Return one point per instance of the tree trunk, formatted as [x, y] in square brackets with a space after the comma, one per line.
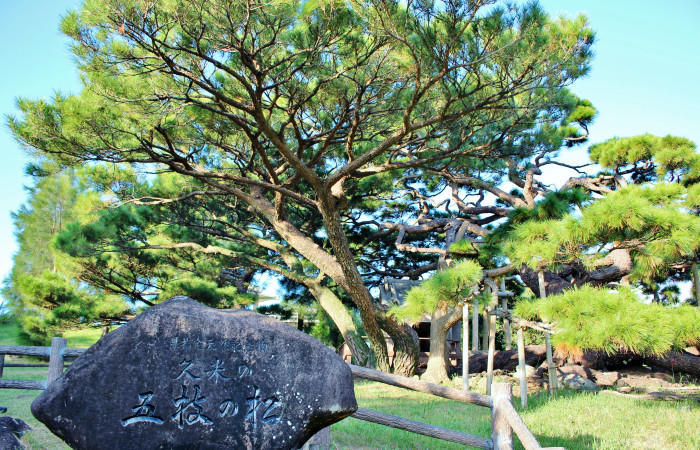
[677, 362]
[352, 282]
[405, 341]
[342, 319]
[440, 324]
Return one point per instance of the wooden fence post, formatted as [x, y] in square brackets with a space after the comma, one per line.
[58, 347]
[465, 346]
[502, 433]
[521, 364]
[475, 327]
[2, 363]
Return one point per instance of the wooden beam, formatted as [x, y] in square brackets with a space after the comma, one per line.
[422, 428]
[420, 386]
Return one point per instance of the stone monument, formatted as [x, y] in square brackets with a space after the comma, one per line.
[182, 375]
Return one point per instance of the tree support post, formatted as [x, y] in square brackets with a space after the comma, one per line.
[487, 325]
[521, 365]
[551, 368]
[492, 337]
[506, 325]
[502, 433]
[58, 348]
[696, 284]
[475, 327]
[465, 346]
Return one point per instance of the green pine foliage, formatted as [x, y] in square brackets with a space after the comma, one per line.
[56, 303]
[592, 318]
[653, 221]
[673, 157]
[446, 288]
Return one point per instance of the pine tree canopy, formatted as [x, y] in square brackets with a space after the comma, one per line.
[653, 222]
[444, 289]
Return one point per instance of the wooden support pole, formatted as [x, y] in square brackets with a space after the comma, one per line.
[2, 363]
[696, 283]
[492, 351]
[485, 333]
[58, 347]
[465, 346]
[492, 335]
[521, 365]
[502, 433]
[422, 428]
[551, 368]
[540, 282]
[475, 327]
[506, 326]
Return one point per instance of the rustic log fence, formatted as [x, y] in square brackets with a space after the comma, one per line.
[57, 353]
[504, 419]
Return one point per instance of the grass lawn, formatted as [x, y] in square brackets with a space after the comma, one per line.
[572, 420]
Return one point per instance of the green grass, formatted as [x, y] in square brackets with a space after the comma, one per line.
[83, 337]
[18, 401]
[571, 419]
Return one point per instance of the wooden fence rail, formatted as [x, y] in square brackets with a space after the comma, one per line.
[504, 418]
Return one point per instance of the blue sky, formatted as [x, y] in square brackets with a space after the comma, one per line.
[645, 76]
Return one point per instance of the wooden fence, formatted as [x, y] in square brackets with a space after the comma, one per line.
[504, 419]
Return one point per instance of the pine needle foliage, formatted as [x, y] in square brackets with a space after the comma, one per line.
[673, 157]
[607, 320]
[446, 288]
[653, 221]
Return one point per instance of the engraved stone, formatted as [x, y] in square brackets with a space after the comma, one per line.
[182, 375]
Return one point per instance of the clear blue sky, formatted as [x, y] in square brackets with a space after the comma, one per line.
[645, 76]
